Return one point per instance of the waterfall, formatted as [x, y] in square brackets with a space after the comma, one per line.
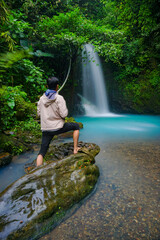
[94, 97]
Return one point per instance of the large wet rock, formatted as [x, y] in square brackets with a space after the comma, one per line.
[36, 202]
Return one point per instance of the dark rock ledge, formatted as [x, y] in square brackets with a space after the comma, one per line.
[5, 158]
[32, 205]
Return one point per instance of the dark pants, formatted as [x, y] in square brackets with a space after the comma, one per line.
[48, 135]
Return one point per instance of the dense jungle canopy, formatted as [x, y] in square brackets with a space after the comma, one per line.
[40, 38]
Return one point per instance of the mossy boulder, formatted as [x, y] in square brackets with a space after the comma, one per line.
[31, 206]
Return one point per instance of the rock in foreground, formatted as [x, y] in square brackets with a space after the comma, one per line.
[33, 204]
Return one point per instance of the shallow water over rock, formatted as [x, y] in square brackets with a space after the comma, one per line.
[15, 169]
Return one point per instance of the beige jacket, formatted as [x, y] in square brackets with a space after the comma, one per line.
[52, 112]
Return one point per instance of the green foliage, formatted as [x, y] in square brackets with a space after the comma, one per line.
[137, 71]
[72, 30]
[110, 16]
[29, 130]
[5, 37]
[69, 119]
[13, 149]
[6, 42]
[91, 9]
[136, 16]
[3, 12]
[34, 83]
[24, 73]
[142, 92]
[9, 58]
[9, 144]
[14, 106]
[28, 125]
[61, 29]
[125, 33]
[19, 138]
[19, 28]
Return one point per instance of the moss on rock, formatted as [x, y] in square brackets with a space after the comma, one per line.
[32, 205]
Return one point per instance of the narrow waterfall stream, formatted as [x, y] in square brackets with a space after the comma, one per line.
[95, 100]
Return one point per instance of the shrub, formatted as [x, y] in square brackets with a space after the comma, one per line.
[14, 106]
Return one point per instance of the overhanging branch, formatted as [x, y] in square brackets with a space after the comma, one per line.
[69, 68]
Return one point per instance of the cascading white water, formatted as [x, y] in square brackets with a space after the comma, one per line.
[94, 98]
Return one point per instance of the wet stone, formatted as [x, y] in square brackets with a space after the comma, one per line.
[32, 205]
[5, 158]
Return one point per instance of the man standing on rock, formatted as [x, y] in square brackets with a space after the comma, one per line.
[52, 110]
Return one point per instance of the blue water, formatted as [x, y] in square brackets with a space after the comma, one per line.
[15, 170]
[128, 182]
[99, 130]
[125, 202]
[120, 127]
